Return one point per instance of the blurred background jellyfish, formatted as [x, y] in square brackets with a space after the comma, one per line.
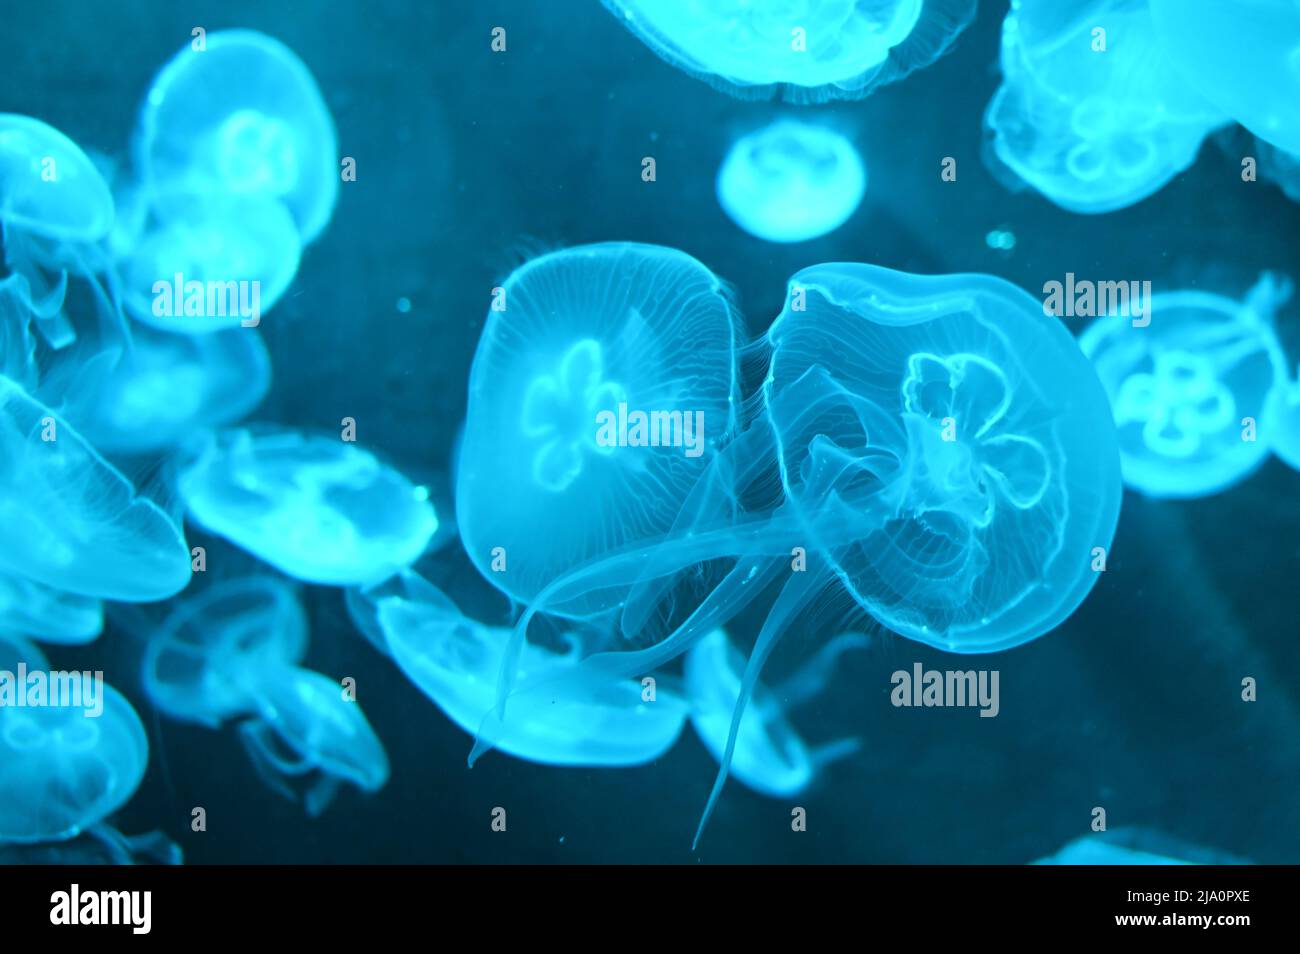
[1135, 846]
[1243, 57]
[1189, 390]
[72, 521]
[1091, 112]
[770, 756]
[791, 181]
[602, 383]
[318, 509]
[242, 116]
[808, 51]
[30, 609]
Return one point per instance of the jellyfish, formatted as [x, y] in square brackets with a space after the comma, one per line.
[1189, 390]
[101, 844]
[601, 382]
[770, 757]
[316, 508]
[1090, 112]
[1135, 846]
[306, 729]
[810, 51]
[238, 112]
[1279, 167]
[50, 616]
[17, 345]
[1244, 58]
[63, 770]
[791, 181]
[72, 521]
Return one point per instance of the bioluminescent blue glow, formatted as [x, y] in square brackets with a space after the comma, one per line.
[242, 115]
[30, 609]
[316, 508]
[791, 181]
[603, 380]
[808, 51]
[1095, 121]
[1189, 390]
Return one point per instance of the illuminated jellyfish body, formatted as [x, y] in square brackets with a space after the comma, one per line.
[210, 261]
[54, 208]
[73, 522]
[791, 181]
[1243, 57]
[162, 390]
[1135, 846]
[1092, 130]
[770, 757]
[455, 661]
[1186, 389]
[595, 398]
[30, 609]
[63, 771]
[100, 845]
[204, 663]
[242, 116]
[806, 51]
[946, 457]
[17, 346]
[316, 508]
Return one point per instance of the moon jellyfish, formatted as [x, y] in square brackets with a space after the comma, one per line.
[242, 116]
[455, 660]
[791, 181]
[808, 51]
[595, 392]
[1135, 846]
[48, 615]
[73, 522]
[1243, 57]
[1188, 391]
[316, 508]
[1090, 112]
[770, 757]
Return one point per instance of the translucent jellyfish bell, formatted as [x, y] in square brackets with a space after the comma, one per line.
[1093, 129]
[73, 522]
[597, 393]
[1185, 388]
[791, 181]
[316, 508]
[243, 115]
[49, 188]
[808, 51]
[48, 615]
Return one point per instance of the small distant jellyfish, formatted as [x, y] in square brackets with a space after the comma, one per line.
[810, 51]
[316, 508]
[47, 615]
[791, 181]
[243, 116]
[1182, 388]
[1092, 131]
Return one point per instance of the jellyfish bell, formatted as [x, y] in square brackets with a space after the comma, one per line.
[316, 508]
[242, 116]
[791, 181]
[1186, 388]
[46, 614]
[810, 52]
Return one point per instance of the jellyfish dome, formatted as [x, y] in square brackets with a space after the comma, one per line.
[49, 188]
[242, 115]
[1095, 121]
[791, 181]
[600, 387]
[73, 522]
[1190, 391]
[316, 508]
[48, 615]
[1243, 57]
[808, 50]
[63, 770]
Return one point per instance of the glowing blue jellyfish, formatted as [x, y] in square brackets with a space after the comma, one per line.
[1135, 846]
[17, 346]
[63, 770]
[316, 508]
[455, 661]
[807, 50]
[1095, 121]
[306, 730]
[100, 845]
[73, 522]
[1245, 58]
[1189, 390]
[242, 115]
[598, 392]
[50, 616]
[770, 756]
[791, 181]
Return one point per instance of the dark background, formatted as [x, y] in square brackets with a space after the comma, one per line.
[468, 163]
